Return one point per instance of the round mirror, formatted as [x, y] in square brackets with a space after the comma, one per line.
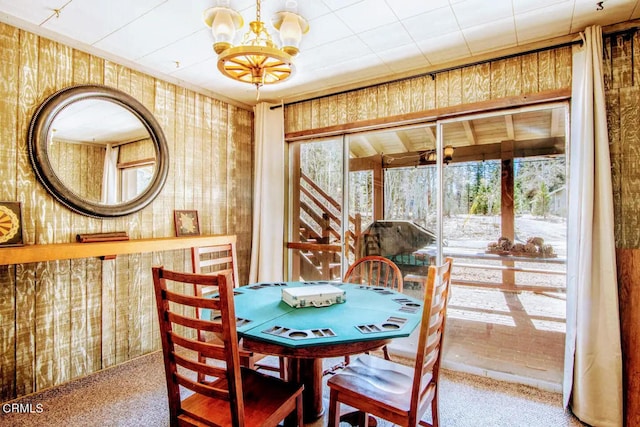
[98, 151]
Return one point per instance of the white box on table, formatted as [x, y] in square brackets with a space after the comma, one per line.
[313, 296]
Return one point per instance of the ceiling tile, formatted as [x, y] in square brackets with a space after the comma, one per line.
[408, 8]
[386, 37]
[403, 58]
[431, 24]
[491, 36]
[308, 9]
[324, 29]
[331, 53]
[377, 14]
[194, 48]
[92, 20]
[522, 6]
[445, 48]
[471, 13]
[339, 4]
[160, 27]
[201, 72]
[34, 11]
[544, 23]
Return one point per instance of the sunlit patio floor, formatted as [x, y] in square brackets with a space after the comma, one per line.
[513, 336]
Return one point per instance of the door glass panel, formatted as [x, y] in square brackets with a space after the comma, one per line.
[504, 221]
[393, 189]
[316, 209]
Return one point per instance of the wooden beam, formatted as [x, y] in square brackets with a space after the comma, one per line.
[364, 163]
[531, 148]
[557, 122]
[404, 140]
[508, 121]
[470, 132]
[363, 142]
[431, 134]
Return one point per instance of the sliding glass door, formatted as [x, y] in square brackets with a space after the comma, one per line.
[488, 190]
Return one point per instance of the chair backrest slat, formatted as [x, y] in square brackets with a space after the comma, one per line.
[210, 303]
[216, 259]
[195, 366]
[190, 322]
[429, 352]
[207, 390]
[216, 351]
[179, 334]
[374, 270]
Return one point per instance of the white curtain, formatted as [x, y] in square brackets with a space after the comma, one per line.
[110, 175]
[593, 358]
[268, 197]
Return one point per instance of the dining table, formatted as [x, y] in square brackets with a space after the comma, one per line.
[367, 318]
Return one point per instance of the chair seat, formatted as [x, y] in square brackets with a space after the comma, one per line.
[267, 400]
[369, 377]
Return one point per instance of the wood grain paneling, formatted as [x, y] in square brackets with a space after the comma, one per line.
[533, 73]
[9, 63]
[62, 320]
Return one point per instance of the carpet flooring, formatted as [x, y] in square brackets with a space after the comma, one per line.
[134, 394]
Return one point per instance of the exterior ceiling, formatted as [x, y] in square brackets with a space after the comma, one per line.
[351, 42]
[537, 132]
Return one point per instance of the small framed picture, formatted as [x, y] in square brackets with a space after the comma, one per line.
[186, 223]
[10, 224]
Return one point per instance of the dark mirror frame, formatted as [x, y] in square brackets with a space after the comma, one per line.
[41, 125]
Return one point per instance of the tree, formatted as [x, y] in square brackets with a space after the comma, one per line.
[541, 201]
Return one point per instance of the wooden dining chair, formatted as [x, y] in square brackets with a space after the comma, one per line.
[375, 270]
[231, 395]
[221, 259]
[394, 392]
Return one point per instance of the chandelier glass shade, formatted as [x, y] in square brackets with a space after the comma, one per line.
[257, 59]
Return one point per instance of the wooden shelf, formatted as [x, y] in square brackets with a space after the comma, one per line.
[59, 251]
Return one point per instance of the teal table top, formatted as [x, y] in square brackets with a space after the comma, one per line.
[369, 313]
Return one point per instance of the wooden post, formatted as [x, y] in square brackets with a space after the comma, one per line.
[357, 244]
[325, 257]
[378, 192]
[295, 210]
[507, 208]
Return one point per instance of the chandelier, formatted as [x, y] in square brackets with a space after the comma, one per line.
[257, 60]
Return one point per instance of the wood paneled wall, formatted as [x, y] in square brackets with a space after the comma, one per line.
[66, 319]
[528, 74]
[79, 166]
[622, 85]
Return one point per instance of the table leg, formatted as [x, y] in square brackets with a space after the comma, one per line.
[309, 373]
